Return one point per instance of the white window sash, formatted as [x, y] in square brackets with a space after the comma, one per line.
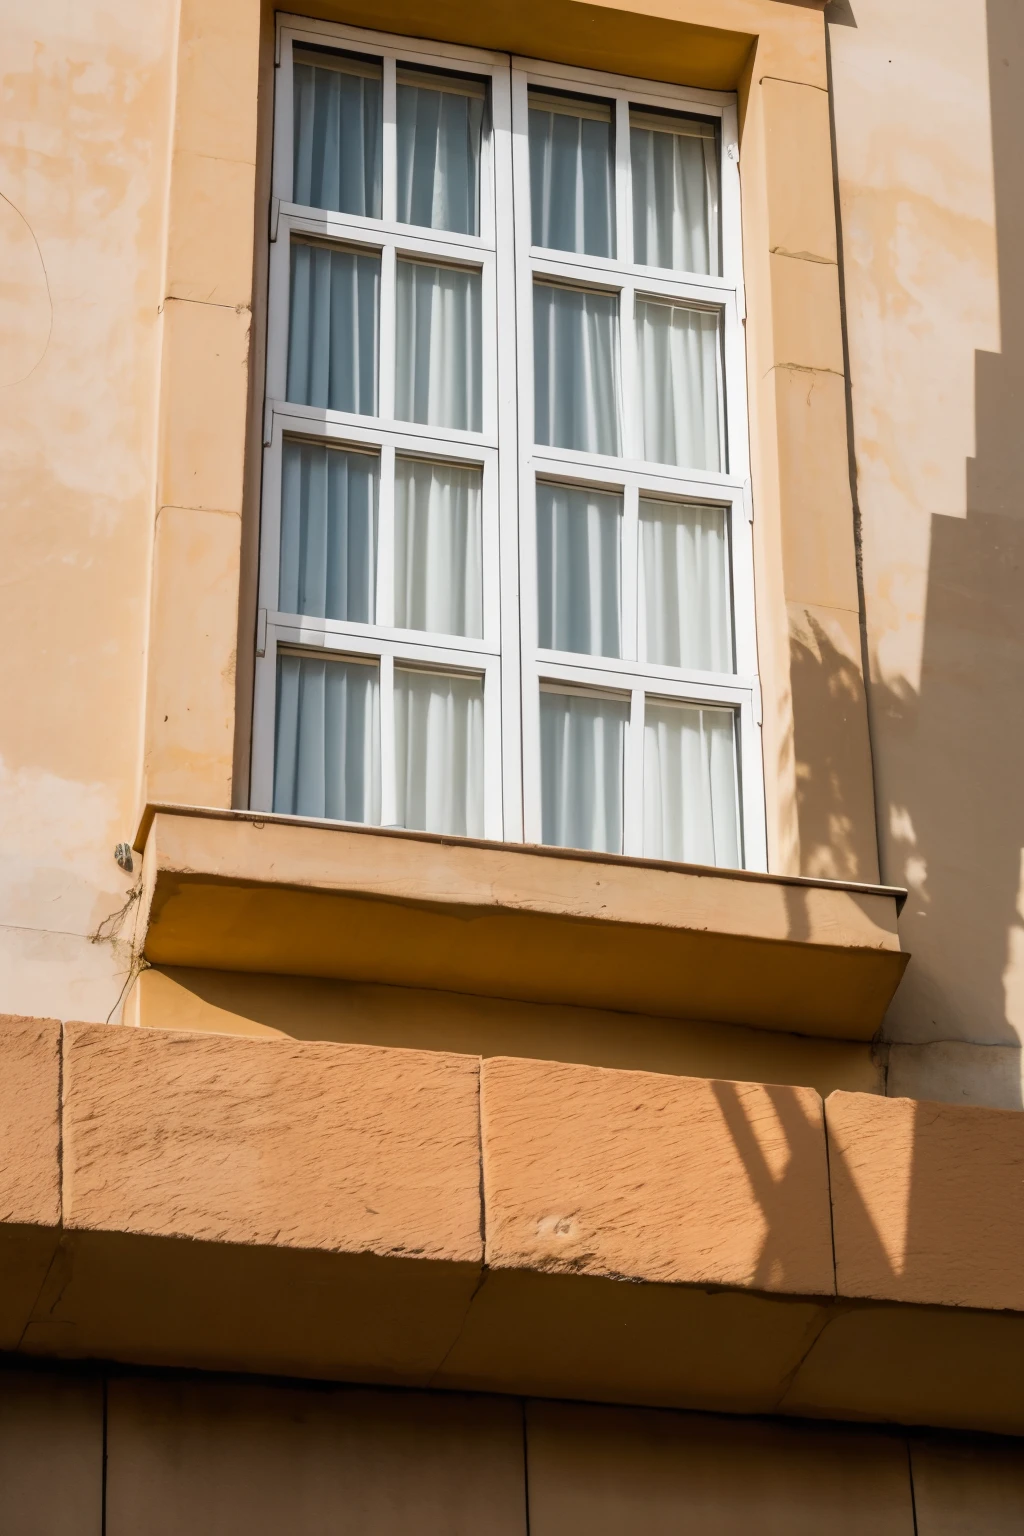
[630, 474]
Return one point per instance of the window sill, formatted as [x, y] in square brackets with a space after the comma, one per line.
[240, 891]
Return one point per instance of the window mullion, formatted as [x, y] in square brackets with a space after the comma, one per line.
[385, 615]
[386, 335]
[632, 419]
[389, 168]
[388, 766]
[623, 198]
[630, 572]
[633, 778]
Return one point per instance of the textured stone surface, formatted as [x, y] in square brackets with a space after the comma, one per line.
[657, 1178]
[928, 1201]
[343, 1148]
[29, 1121]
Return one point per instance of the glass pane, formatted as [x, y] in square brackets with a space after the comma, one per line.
[691, 812]
[686, 597]
[327, 759]
[679, 356]
[439, 751]
[332, 329]
[675, 193]
[439, 379]
[338, 134]
[328, 533]
[581, 751]
[438, 548]
[572, 175]
[579, 534]
[576, 368]
[440, 131]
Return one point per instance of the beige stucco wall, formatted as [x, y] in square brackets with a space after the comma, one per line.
[84, 126]
[930, 250]
[929, 116]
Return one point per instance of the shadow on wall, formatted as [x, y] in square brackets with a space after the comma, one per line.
[949, 759]
[953, 779]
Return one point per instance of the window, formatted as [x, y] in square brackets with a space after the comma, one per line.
[505, 575]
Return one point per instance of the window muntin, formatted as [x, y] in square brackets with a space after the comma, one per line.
[601, 552]
[338, 132]
[439, 750]
[440, 130]
[438, 363]
[439, 566]
[679, 362]
[328, 557]
[572, 177]
[582, 744]
[576, 390]
[685, 588]
[333, 328]
[327, 741]
[691, 804]
[579, 558]
[674, 175]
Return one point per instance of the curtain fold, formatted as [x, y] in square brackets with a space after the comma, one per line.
[438, 548]
[576, 369]
[327, 748]
[679, 351]
[581, 747]
[439, 751]
[579, 536]
[572, 180]
[685, 590]
[338, 141]
[439, 139]
[690, 785]
[439, 363]
[675, 196]
[328, 566]
[333, 328]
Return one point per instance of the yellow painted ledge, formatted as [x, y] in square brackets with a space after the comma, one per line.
[237, 891]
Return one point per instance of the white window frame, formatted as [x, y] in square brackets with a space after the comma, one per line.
[514, 669]
[494, 658]
[629, 475]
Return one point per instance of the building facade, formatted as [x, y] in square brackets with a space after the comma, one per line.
[512, 967]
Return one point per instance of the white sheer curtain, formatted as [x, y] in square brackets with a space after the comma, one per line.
[675, 194]
[581, 749]
[338, 142]
[440, 129]
[572, 179]
[679, 353]
[439, 751]
[576, 368]
[438, 548]
[328, 532]
[685, 590]
[439, 365]
[333, 328]
[579, 537]
[327, 758]
[691, 813]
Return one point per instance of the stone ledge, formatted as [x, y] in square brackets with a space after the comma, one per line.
[317, 1210]
[231, 890]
